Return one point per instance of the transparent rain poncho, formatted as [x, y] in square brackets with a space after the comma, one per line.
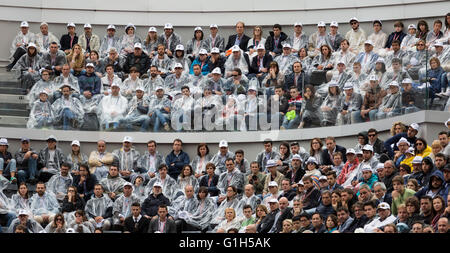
[232, 63]
[17, 203]
[122, 206]
[41, 114]
[219, 213]
[49, 86]
[113, 184]
[169, 186]
[98, 206]
[203, 214]
[112, 109]
[73, 104]
[235, 178]
[253, 201]
[58, 185]
[47, 204]
[181, 207]
[32, 225]
[127, 160]
[183, 182]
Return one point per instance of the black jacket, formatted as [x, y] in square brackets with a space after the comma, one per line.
[287, 214]
[242, 44]
[65, 41]
[302, 79]
[140, 228]
[326, 159]
[220, 63]
[87, 187]
[378, 146]
[212, 188]
[267, 223]
[356, 223]
[267, 59]
[289, 195]
[311, 199]
[297, 177]
[270, 43]
[142, 63]
[325, 210]
[151, 203]
[70, 206]
[387, 180]
[169, 228]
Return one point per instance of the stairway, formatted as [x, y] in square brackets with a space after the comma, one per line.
[14, 109]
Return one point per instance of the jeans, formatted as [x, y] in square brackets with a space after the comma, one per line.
[158, 118]
[131, 120]
[383, 115]
[10, 167]
[67, 116]
[29, 173]
[290, 124]
[44, 121]
[356, 116]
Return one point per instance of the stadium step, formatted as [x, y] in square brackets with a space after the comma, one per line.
[13, 112]
[13, 99]
[9, 84]
[12, 90]
[13, 121]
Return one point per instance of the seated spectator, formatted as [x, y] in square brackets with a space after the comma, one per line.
[384, 217]
[150, 206]
[129, 85]
[44, 205]
[137, 59]
[398, 34]
[159, 110]
[351, 104]
[59, 183]
[112, 108]
[110, 40]
[89, 82]
[325, 208]
[214, 40]
[72, 201]
[44, 39]
[237, 84]
[312, 194]
[113, 59]
[161, 60]
[334, 38]
[179, 57]
[435, 35]
[68, 40]
[20, 44]
[27, 223]
[99, 209]
[378, 37]
[397, 52]
[66, 78]
[344, 219]
[238, 59]
[89, 41]
[136, 223]
[318, 226]
[331, 105]
[84, 182]
[170, 39]
[169, 185]
[113, 184]
[27, 67]
[317, 39]
[260, 62]
[122, 207]
[162, 223]
[216, 60]
[153, 81]
[8, 164]
[50, 160]
[54, 59]
[275, 40]
[416, 60]
[292, 116]
[76, 61]
[391, 103]
[26, 162]
[44, 84]
[273, 78]
[194, 45]
[99, 68]
[128, 40]
[68, 109]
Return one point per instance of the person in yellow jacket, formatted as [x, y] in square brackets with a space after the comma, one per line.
[409, 157]
[421, 148]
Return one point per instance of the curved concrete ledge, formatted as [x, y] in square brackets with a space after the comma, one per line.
[421, 117]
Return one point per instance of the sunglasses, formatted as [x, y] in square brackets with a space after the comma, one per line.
[371, 135]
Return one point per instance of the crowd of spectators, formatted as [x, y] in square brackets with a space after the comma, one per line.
[128, 81]
[397, 185]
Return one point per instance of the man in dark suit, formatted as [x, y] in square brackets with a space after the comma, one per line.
[268, 222]
[274, 40]
[153, 201]
[260, 63]
[297, 78]
[285, 213]
[327, 155]
[162, 224]
[238, 39]
[136, 224]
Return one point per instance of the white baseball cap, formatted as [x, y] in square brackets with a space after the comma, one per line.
[412, 26]
[350, 151]
[333, 83]
[417, 159]
[368, 147]
[297, 157]
[87, 25]
[273, 184]
[368, 42]
[179, 47]
[127, 139]
[403, 140]
[348, 86]
[4, 142]
[111, 26]
[414, 126]
[341, 62]
[406, 80]
[373, 78]
[31, 44]
[168, 26]
[410, 150]
[213, 26]
[128, 184]
[334, 23]
[323, 178]
[114, 84]
[223, 143]
[384, 205]
[51, 137]
[217, 71]
[23, 212]
[159, 88]
[157, 184]
[380, 60]
[354, 19]
[70, 230]
[202, 51]
[287, 45]
[215, 50]
[271, 163]
[446, 122]
[235, 48]
[140, 88]
[90, 64]
[311, 159]
[70, 25]
[75, 142]
[380, 166]
[273, 200]
[377, 21]
[43, 92]
[178, 65]
[438, 44]
[43, 23]
[260, 46]
[298, 24]
[394, 83]
[152, 29]
[253, 87]
[321, 23]
[24, 24]
[198, 28]
[138, 45]
[366, 168]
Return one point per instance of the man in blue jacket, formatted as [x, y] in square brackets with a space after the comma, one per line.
[202, 60]
[89, 82]
[436, 186]
[410, 135]
[176, 159]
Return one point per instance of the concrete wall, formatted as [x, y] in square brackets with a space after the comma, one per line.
[431, 123]
[185, 15]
